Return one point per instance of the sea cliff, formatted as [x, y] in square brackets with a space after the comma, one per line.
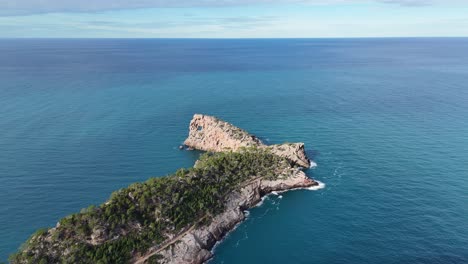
[194, 246]
[180, 217]
[209, 133]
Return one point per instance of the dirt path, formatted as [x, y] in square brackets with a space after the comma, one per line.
[167, 244]
[178, 237]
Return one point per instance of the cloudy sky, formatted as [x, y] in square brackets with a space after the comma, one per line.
[233, 18]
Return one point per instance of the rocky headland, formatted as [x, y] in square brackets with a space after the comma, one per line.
[178, 218]
[209, 133]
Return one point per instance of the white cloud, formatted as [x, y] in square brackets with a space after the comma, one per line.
[19, 7]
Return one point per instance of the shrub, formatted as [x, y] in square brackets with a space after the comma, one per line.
[138, 217]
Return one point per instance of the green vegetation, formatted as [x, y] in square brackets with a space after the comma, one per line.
[139, 217]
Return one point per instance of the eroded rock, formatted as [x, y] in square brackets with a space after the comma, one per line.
[195, 247]
[209, 133]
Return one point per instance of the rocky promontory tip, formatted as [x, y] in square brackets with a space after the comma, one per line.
[209, 133]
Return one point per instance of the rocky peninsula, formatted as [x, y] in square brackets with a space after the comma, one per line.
[180, 217]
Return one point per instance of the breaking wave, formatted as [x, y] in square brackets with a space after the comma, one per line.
[320, 185]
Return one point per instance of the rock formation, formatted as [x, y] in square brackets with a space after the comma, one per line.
[209, 133]
[195, 246]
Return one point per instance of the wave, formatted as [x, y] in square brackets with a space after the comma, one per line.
[312, 164]
[261, 202]
[320, 185]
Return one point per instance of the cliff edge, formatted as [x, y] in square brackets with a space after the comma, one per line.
[195, 245]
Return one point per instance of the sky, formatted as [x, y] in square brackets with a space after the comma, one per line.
[232, 18]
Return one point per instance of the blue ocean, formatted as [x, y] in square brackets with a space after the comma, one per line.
[386, 120]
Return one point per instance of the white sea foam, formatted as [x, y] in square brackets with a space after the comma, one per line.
[261, 202]
[320, 185]
[312, 164]
[224, 238]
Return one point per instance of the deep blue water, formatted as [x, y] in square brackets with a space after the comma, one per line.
[385, 119]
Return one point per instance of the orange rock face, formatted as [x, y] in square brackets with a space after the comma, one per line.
[209, 133]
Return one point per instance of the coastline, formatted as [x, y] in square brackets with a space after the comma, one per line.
[246, 212]
[178, 219]
[197, 246]
[209, 133]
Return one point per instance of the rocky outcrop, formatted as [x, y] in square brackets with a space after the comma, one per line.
[209, 133]
[195, 246]
[295, 152]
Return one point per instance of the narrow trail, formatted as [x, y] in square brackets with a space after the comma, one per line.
[168, 243]
[178, 237]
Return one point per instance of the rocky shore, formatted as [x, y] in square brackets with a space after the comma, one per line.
[195, 246]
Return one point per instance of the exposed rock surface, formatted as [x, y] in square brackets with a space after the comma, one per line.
[195, 246]
[209, 133]
[212, 134]
[294, 152]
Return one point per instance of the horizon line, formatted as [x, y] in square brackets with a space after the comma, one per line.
[234, 38]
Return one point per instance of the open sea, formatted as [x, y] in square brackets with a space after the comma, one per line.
[385, 119]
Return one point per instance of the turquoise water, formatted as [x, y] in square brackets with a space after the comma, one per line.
[385, 119]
